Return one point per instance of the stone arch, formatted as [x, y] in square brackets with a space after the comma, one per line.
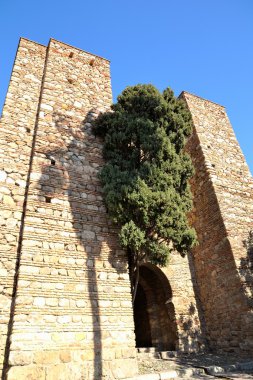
[154, 313]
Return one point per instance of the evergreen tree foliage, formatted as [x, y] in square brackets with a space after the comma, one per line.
[145, 177]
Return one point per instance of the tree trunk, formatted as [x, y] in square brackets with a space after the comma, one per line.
[133, 273]
[136, 282]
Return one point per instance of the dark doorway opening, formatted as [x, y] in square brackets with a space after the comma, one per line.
[141, 320]
[154, 314]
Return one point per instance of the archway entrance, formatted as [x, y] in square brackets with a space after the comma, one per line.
[154, 314]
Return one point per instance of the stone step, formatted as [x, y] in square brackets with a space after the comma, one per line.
[189, 372]
[169, 354]
[144, 353]
[172, 375]
[148, 355]
[243, 366]
[146, 349]
[153, 352]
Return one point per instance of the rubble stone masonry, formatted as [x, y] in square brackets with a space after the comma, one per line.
[72, 311]
[66, 309]
[16, 136]
[222, 216]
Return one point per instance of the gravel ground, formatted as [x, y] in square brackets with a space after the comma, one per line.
[183, 363]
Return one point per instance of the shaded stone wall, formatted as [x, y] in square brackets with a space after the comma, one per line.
[16, 134]
[190, 324]
[223, 216]
[72, 311]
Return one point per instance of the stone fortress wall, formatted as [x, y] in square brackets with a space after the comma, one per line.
[66, 308]
[72, 300]
[222, 216]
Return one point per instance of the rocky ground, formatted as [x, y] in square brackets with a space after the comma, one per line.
[202, 366]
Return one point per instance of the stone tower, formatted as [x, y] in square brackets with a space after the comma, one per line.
[70, 312]
[66, 310]
[222, 216]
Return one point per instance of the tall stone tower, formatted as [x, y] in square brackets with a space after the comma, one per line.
[222, 216]
[66, 303]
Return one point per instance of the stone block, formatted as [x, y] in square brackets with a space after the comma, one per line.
[124, 368]
[30, 372]
[17, 358]
[65, 356]
[46, 357]
[62, 319]
[8, 200]
[3, 176]
[66, 372]
[39, 301]
[108, 354]
[80, 336]
[169, 375]
[63, 302]
[58, 372]
[81, 303]
[83, 355]
[52, 301]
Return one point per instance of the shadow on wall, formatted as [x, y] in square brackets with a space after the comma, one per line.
[246, 268]
[72, 173]
[201, 336]
[191, 339]
[225, 299]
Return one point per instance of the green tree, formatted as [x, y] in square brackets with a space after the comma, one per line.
[145, 177]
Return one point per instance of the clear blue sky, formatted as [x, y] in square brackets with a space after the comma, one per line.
[204, 47]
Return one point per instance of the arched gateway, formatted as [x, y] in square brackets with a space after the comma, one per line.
[154, 314]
